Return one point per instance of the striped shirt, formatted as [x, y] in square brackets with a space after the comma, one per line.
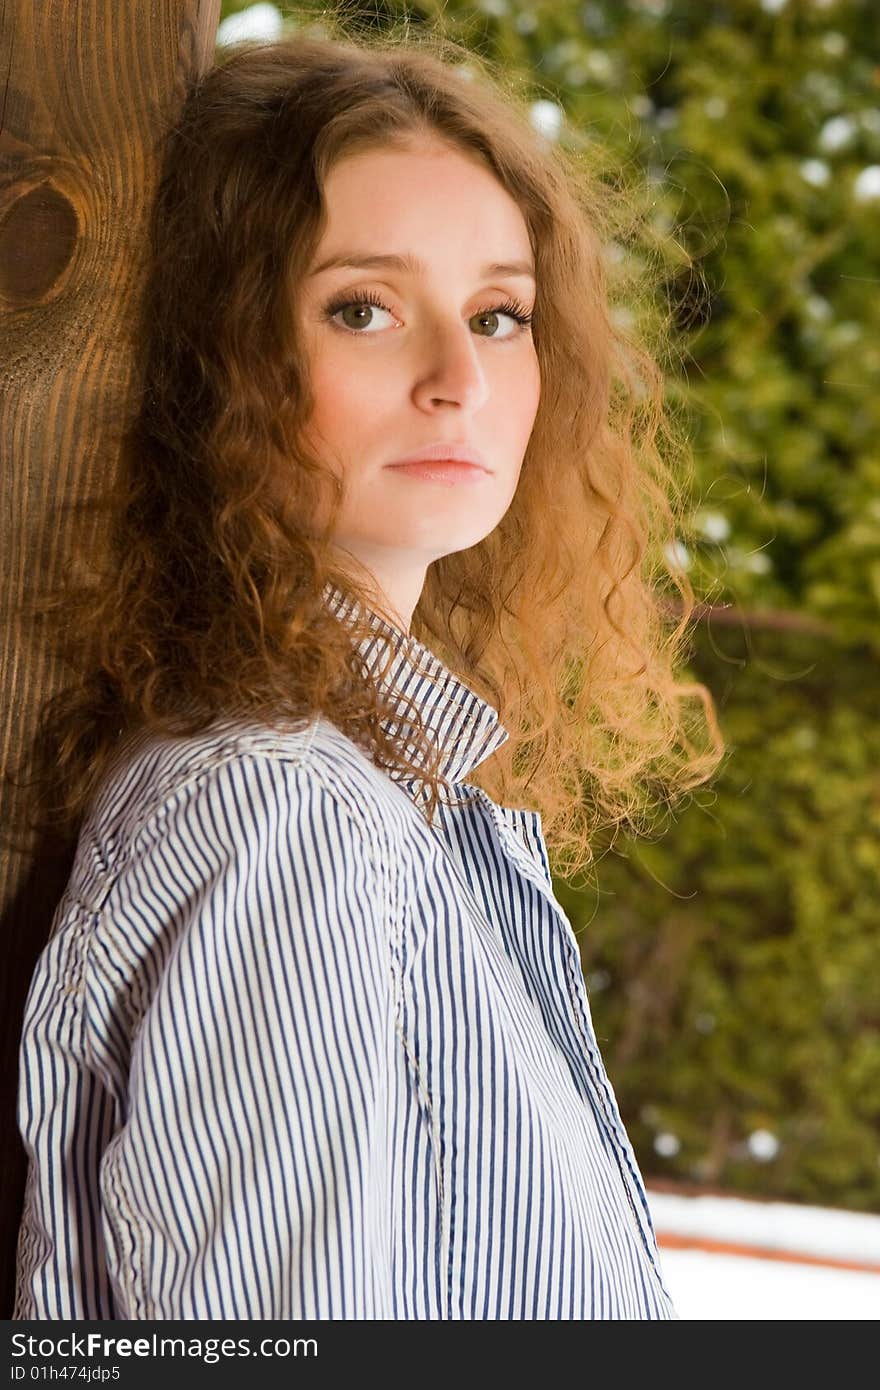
[293, 1052]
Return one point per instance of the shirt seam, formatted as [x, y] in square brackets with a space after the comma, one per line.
[135, 1294]
[396, 928]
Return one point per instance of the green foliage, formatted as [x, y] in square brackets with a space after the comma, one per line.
[732, 964]
[733, 961]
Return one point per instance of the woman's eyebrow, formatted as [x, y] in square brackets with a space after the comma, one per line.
[355, 260]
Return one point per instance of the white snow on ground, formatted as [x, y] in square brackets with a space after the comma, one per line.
[722, 1288]
[714, 1286]
[819, 1231]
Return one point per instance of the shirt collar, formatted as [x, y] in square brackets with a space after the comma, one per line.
[465, 727]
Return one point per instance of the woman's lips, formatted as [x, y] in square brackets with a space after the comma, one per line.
[446, 471]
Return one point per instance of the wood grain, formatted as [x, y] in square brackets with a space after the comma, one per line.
[86, 89]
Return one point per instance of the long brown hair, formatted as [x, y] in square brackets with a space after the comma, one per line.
[570, 617]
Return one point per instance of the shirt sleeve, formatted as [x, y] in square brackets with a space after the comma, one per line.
[240, 1004]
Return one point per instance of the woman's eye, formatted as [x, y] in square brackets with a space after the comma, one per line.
[518, 320]
[358, 314]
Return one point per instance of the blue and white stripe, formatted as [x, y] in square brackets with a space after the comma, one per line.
[291, 1052]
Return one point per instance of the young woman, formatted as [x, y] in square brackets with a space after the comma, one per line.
[310, 1038]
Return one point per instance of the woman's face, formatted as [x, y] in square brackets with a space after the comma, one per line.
[406, 357]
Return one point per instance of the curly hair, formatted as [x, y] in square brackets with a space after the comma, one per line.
[206, 594]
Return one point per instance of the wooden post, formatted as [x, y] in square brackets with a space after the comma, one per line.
[86, 87]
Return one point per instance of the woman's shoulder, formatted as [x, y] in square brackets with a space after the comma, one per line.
[152, 771]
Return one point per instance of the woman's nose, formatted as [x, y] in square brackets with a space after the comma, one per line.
[452, 369]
